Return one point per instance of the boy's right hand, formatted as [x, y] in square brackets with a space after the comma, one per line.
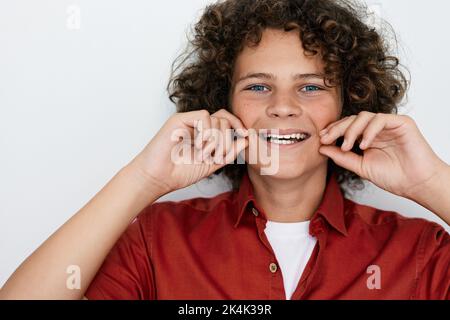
[173, 159]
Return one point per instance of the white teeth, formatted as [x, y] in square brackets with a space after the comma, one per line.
[282, 141]
[288, 136]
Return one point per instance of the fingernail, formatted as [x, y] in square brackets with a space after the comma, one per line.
[242, 132]
[206, 135]
[345, 145]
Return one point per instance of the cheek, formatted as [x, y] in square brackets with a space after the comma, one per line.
[245, 111]
[324, 114]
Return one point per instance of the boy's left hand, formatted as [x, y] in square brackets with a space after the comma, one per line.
[396, 157]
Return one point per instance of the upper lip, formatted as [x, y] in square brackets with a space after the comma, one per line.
[283, 131]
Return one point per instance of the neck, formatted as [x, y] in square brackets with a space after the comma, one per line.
[289, 200]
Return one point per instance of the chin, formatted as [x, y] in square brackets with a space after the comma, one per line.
[289, 172]
[286, 171]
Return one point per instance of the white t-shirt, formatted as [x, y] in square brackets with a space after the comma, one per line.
[293, 246]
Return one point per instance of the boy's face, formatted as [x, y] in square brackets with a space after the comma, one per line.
[273, 98]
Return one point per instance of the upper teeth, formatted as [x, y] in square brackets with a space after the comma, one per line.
[286, 136]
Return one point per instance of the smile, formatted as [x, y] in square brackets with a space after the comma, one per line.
[285, 139]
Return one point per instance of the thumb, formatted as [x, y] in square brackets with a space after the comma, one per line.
[345, 159]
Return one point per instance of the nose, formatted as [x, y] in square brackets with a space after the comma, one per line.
[283, 107]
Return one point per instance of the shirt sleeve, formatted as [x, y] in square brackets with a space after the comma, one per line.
[434, 261]
[127, 271]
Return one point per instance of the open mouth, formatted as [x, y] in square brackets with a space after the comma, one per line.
[285, 139]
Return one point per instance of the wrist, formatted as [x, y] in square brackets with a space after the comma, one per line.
[433, 194]
[145, 183]
[437, 182]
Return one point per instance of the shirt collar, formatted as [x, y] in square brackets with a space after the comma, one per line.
[331, 207]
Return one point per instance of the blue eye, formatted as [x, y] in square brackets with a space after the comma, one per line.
[314, 88]
[256, 87]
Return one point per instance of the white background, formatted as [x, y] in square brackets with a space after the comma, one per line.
[77, 104]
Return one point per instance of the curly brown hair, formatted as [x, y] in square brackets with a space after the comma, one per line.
[356, 58]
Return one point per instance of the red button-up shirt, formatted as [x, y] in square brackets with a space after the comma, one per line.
[216, 248]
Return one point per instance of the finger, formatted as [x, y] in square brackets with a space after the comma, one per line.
[201, 120]
[226, 139]
[356, 129]
[229, 137]
[201, 146]
[352, 127]
[235, 122]
[203, 132]
[375, 126]
[213, 138]
[237, 147]
[336, 131]
[191, 118]
[345, 159]
[220, 149]
[208, 148]
[331, 125]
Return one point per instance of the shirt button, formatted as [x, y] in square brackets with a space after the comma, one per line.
[255, 212]
[273, 267]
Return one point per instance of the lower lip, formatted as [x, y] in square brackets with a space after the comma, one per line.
[286, 146]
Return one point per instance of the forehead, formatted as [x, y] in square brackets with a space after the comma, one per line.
[278, 50]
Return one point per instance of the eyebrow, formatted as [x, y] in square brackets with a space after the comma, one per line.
[270, 76]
